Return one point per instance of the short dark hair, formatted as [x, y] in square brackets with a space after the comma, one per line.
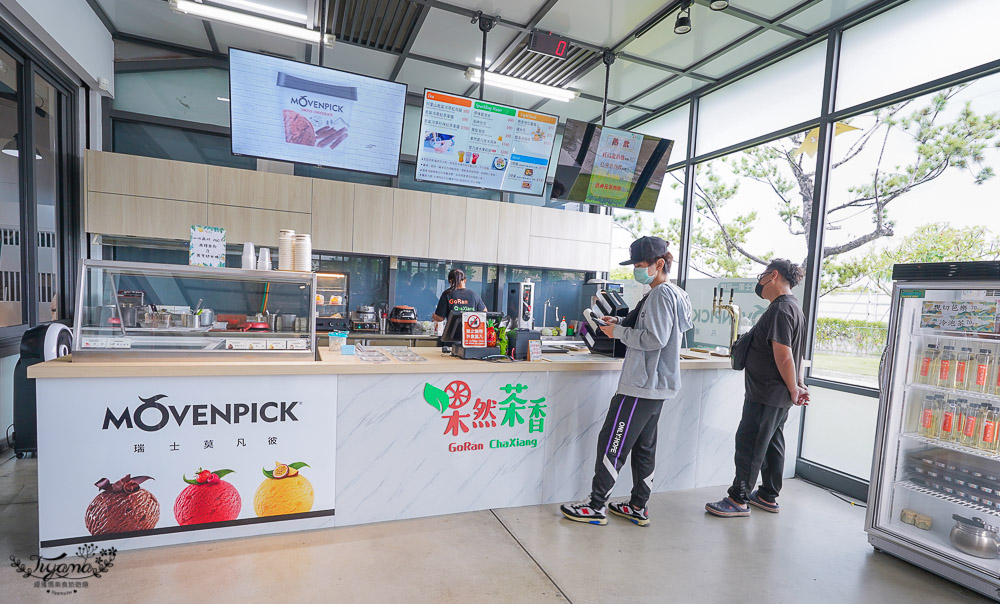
[668, 261]
[792, 272]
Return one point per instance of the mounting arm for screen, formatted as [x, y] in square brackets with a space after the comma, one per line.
[608, 57]
[486, 24]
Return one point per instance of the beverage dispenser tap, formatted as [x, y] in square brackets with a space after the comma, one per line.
[731, 309]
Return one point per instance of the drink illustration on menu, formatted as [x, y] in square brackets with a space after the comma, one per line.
[478, 144]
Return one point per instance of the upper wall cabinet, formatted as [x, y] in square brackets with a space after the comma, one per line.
[146, 177]
[515, 237]
[482, 224]
[333, 216]
[411, 223]
[373, 209]
[264, 190]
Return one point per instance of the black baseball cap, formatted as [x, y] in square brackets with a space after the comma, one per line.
[645, 248]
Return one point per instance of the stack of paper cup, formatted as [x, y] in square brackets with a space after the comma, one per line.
[286, 247]
[303, 253]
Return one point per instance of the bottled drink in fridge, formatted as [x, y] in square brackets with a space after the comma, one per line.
[926, 365]
[963, 364]
[960, 415]
[969, 431]
[946, 368]
[988, 435]
[927, 413]
[946, 427]
[984, 367]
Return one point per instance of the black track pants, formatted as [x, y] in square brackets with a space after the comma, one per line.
[630, 427]
[760, 450]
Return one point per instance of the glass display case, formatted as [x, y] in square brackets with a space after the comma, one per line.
[332, 304]
[137, 310]
[935, 489]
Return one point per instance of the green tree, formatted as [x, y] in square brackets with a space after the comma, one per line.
[724, 246]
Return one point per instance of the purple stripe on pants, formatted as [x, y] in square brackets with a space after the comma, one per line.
[635, 402]
[612, 436]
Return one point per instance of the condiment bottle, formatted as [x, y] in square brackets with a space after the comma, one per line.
[984, 364]
[927, 364]
[946, 368]
[961, 379]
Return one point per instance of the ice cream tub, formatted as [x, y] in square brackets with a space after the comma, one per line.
[315, 114]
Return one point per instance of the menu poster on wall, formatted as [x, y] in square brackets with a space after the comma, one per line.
[207, 246]
[293, 111]
[474, 143]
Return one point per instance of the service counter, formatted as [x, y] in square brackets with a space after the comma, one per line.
[370, 442]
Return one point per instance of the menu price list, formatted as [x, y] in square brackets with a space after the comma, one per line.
[484, 145]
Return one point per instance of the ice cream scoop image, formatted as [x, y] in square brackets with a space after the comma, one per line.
[122, 507]
[207, 498]
[284, 491]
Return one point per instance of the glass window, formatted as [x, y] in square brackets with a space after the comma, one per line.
[673, 125]
[839, 431]
[558, 294]
[784, 94]
[369, 276]
[11, 304]
[420, 283]
[192, 95]
[911, 182]
[50, 169]
[749, 207]
[407, 180]
[165, 142]
[916, 42]
[308, 171]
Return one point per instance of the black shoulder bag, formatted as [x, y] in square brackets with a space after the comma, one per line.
[738, 355]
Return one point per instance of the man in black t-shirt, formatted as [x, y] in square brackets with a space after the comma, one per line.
[773, 383]
[457, 298]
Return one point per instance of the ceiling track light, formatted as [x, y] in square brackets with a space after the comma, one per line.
[519, 85]
[214, 13]
[683, 23]
[718, 4]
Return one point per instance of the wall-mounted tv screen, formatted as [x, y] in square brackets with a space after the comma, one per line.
[475, 143]
[610, 167]
[291, 111]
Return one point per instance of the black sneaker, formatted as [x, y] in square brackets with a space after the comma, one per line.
[582, 512]
[625, 509]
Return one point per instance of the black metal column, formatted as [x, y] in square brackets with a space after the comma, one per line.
[324, 19]
[687, 213]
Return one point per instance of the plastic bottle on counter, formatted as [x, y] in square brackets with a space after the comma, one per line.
[963, 365]
[946, 368]
[927, 413]
[969, 429]
[946, 427]
[927, 364]
[562, 327]
[984, 367]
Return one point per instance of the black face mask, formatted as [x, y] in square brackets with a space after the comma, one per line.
[759, 289]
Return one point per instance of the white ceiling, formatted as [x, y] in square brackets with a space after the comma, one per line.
[448, 35]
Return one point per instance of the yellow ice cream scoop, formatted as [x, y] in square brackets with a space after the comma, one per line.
[283, 492]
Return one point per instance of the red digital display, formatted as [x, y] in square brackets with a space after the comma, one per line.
[548, 44]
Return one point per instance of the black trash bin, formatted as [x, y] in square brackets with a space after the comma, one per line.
[42, 343]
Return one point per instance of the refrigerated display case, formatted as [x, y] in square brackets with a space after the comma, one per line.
[332, 304]
[934, 496]
[132, 311]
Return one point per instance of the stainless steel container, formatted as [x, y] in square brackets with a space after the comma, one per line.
[190, 321]
[207, 317]
[975, 537]
[288, 321]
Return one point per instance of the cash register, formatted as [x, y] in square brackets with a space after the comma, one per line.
[607, 303]
[452, 336]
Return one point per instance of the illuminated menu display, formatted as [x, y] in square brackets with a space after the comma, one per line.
[474, 143]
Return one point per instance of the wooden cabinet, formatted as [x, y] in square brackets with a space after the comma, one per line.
[447, 227]
[411, 223]
[569, 255]
[264, 190]
[373, 208]
[259, 226]
[578, 226]
[333, 215]
[134, 216]
[146, 177]
[482, 220]
[514, 234]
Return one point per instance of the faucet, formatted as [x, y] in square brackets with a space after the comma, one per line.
[545, 311]
[732, 309]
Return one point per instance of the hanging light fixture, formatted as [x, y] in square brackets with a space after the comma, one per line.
[683, 23]
[11, 149]
[519, 85]
[718, 4]
[215, 13]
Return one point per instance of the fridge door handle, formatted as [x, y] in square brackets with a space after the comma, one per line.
[881, 369]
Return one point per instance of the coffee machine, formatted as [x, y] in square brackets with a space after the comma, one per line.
[521, 304]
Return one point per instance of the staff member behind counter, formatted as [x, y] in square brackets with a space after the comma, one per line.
[457, 298]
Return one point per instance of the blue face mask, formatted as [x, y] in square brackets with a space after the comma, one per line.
[642, 275]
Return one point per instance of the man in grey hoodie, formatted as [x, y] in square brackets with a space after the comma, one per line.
[652, 333]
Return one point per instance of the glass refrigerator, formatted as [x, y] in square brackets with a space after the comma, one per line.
[934, 497]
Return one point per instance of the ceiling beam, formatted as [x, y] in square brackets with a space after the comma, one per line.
[421, 17]
[749, 17]
[664, 67]
[211, 36]
[103, 16]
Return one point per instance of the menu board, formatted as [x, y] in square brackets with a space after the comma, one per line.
[475, 143]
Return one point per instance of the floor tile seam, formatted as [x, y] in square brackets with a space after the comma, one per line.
[531, 556]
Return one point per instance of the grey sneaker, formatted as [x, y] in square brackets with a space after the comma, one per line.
[583, 512]
[625, 509]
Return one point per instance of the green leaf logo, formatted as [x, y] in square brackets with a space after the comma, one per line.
[436, 397]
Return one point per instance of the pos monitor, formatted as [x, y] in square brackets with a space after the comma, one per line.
[453, 327]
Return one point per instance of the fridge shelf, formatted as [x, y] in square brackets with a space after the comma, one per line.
[953, 446]
[964, 336]
[955, 391]
[905, 484]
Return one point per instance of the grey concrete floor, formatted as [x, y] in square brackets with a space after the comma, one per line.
[813, 551]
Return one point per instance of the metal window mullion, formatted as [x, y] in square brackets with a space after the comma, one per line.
[687, 211]
[29, 205]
